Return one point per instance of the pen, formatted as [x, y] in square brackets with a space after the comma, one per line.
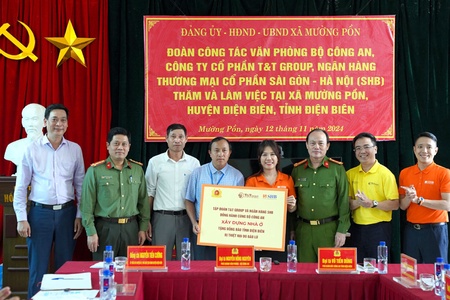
[131, 178]
[62, 278]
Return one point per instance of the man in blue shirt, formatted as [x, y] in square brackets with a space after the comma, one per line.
[218, 172]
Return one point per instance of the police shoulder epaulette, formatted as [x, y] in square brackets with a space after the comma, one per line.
[336, 161]
[300, 162]
[136, 162]
[98, 163]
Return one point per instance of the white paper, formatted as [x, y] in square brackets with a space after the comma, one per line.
[79, 281]
[70, 295]
[98, 265]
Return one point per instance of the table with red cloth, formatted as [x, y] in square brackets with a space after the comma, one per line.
[71, 267]
[203, 282]
[391, 290]
[200, 282]
[308, 284]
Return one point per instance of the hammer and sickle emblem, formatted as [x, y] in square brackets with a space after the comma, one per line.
[27, 51]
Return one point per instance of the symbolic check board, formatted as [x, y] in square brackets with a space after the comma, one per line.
[231, 215]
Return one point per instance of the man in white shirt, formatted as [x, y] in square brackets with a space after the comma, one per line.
[167, 176]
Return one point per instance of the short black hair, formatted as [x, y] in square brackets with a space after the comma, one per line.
[365, 135]
[320, 130]
[175, 126]
[54, 106]
[427, 135]
[217, 139]
[118, 130]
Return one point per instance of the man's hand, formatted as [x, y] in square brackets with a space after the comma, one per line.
[77, 228]
[291, 202]
[339, 239]
[411, 193]
[23, 228]
[196, 228]
[141, 237]
[92, 242]
[363, 200]
[148, 233]
[5, 292]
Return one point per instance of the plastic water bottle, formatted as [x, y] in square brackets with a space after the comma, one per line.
[438, 268]
[446, 270]
[108, 261]
[292, 257]
[105, 285]
[382, 258]
[185, 254]
[109, 265]
[108, 253]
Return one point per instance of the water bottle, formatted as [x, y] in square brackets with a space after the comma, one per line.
[292, 257]
[108, 261]
[109, 265]
[185, 254]
[446, 270]
[382, 258]
[438, 268]
[105, 284]
[108, 253]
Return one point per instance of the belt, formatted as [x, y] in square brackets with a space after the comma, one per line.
[172, 212]
[423, 226]
[53, 207]
[118, 220]
[320, 221]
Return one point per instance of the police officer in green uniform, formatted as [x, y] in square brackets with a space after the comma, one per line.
[322, 188]
[115, 209]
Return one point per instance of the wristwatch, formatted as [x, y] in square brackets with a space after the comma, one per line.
[420, 200]
[374, 203]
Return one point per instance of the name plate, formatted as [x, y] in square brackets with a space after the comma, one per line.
[235, 257]
[337, 260]
[146, 257]
[408, 270]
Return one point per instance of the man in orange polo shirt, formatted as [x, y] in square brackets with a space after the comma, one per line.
[425, 195]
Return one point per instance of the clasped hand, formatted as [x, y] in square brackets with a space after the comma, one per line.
[363, 200]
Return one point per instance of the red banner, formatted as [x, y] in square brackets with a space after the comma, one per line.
[278, 78]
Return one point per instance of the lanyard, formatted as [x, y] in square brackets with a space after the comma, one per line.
[212, 180]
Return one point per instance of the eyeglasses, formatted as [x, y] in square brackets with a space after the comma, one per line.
[365, 147]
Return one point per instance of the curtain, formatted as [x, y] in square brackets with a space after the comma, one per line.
[85, 91]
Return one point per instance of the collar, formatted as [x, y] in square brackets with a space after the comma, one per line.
[110, 163]
[45, 140]
[214, 170]
[427, 170]
[166, 154]
[262, 178]
[374, 168]
[325, 162]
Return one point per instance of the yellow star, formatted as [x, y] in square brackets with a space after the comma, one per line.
[70, 45]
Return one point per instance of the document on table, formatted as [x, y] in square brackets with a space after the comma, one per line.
[79, 281]
[70, 295]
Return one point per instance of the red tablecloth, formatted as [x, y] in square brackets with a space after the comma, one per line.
[391, 290]
[307, 284]
[202, 282]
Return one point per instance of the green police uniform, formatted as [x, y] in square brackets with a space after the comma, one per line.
[322, 198]
[115, 205]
